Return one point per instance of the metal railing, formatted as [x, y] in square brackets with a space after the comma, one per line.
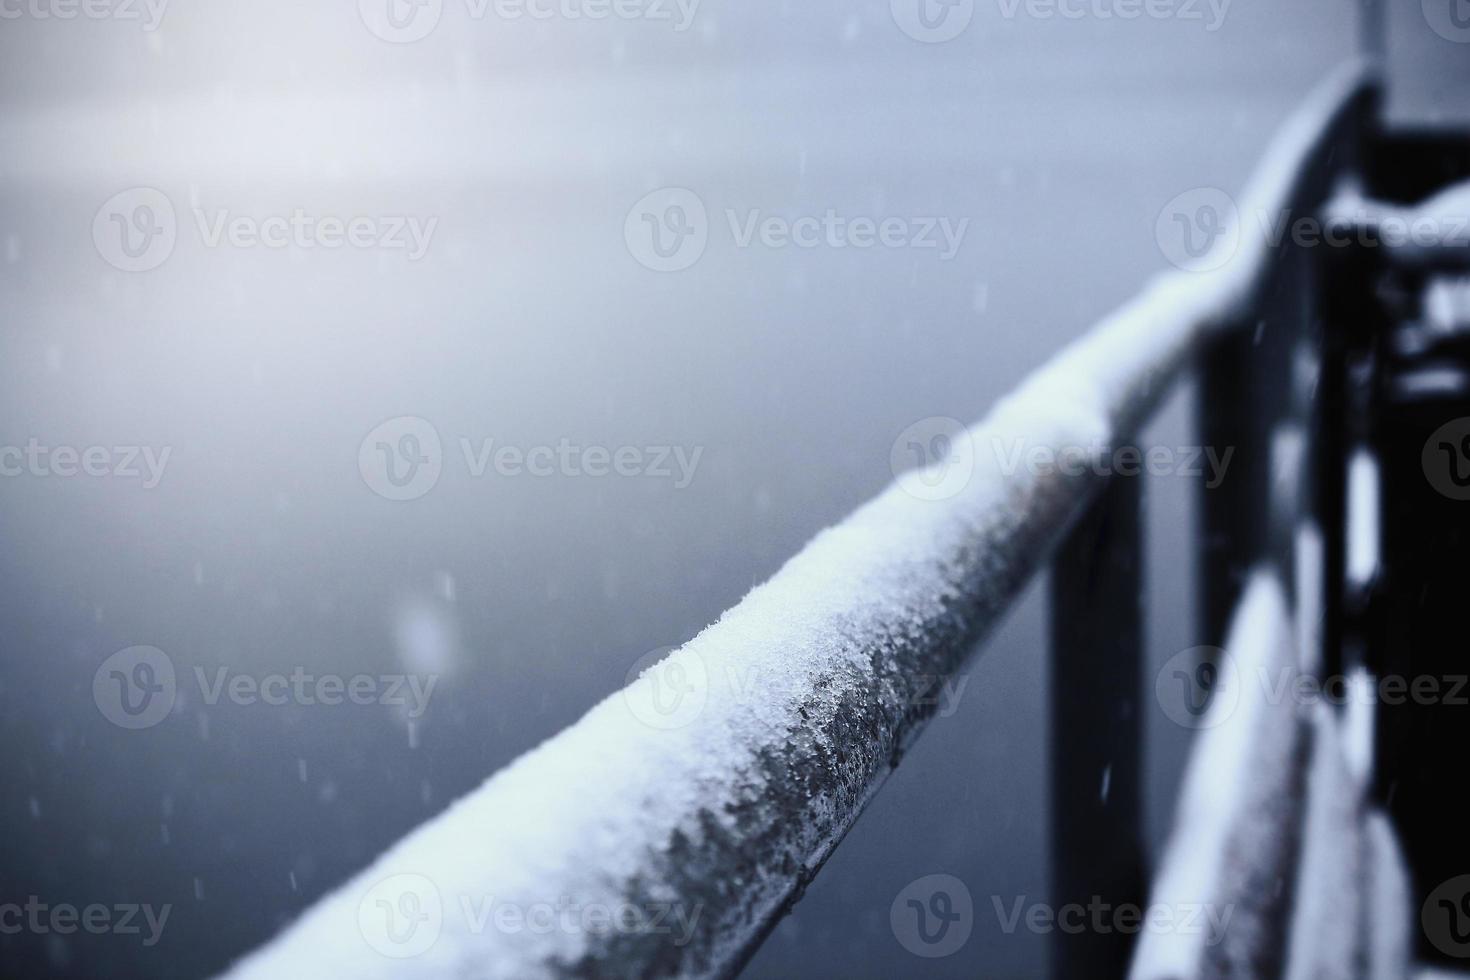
[802, 692]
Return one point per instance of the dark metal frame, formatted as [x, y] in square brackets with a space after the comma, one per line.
[1313, 356]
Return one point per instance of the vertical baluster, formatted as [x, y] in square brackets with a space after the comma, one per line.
[1096, 653]
[1229, 417]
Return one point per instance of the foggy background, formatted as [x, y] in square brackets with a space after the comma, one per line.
[528, 321]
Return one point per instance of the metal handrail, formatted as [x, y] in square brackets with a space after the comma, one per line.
[713, 826]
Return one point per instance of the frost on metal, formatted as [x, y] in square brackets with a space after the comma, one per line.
[1237, 827]
[1428, 234]
[1274, 833]
[624, 848]
[806, 693]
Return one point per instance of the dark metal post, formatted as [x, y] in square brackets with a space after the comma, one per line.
[1229, 515]
[1096, 655]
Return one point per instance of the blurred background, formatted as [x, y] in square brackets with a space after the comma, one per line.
[527, 312]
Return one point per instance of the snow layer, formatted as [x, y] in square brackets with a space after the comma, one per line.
[1236, 828]
[1274, 827]
[804, 692]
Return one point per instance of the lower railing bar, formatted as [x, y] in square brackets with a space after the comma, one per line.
[1235, 844]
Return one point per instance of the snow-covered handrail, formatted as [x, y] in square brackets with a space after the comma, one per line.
[666, 835]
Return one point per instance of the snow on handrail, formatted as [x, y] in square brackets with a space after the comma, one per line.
[1237, 830]
[665, 837]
